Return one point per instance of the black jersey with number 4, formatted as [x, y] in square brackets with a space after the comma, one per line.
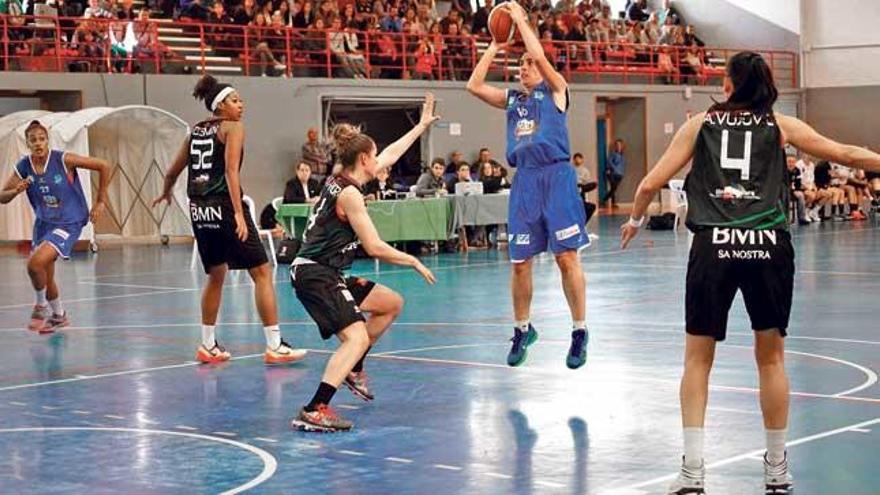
[738, 178]
[207, 161]
[329, 239]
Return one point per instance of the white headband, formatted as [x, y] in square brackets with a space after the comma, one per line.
[221, 96]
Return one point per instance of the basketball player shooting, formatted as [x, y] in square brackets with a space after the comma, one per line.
[546, 212]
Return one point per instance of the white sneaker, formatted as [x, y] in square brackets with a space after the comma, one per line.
[814, 215]
[690, 481]
[777, 479]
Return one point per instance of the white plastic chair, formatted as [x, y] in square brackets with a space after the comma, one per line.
[267, 233]
[679, 201]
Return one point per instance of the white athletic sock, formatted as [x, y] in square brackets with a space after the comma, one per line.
[579, 325]
[208, 339]
[41, 297]
[522, 324]
[693, 447]
[273, 336]
[776, 445]
[57, 308]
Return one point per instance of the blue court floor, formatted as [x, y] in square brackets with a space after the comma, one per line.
[116, 404]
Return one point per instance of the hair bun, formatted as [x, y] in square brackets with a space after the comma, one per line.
[343, 134]
[206, 86]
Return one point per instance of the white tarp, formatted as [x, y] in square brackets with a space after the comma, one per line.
[140, 143]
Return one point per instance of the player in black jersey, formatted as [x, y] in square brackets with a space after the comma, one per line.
[339, 223]
[738, 191]
[224, 232]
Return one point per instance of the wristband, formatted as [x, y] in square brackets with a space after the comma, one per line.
[636, 223]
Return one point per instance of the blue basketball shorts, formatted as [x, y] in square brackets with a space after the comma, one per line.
[62, 237]
[546, 212]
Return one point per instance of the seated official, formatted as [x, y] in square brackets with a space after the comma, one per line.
[302, 188]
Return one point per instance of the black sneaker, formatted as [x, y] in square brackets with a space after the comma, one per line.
[577, 353]
[520, 343]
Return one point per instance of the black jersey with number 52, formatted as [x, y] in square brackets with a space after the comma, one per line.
[329, 239]
[738, 178]
[207, 161]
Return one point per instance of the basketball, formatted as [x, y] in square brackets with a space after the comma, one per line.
[501, 26]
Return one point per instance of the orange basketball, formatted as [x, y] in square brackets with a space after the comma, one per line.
[501, 26]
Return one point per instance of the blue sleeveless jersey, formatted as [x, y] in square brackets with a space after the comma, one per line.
[537, 133]
[56, 195]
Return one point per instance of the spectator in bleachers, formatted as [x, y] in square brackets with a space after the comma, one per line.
[305, 17]
[194, 10]
[90, 52]
[815, 198]
[245, 12]
[431, 183]
[456, 56]
[327, 11]
[221, 38]
[302, 188]
[669, 33]
[314, 45]
[344, 45]
[637, 11]
[148, 44]
[691, 38]
[463, 7]
[453, 17]
[348, 17]
[426, 60]
[668, 12]
[391, 22]
[480, 25]
[652, 28]
[258, 37]
[284, 11]
[386, 55]
[96, 11]
[126, 11]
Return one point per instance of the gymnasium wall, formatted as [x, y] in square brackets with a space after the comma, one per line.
[278, 113]
[841, 46]
[765, 24]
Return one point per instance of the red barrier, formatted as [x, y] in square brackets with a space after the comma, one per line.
[52, 44]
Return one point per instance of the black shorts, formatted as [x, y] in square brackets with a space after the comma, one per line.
[213, 224]
[872, 175]
[722, 261]
[330, 298]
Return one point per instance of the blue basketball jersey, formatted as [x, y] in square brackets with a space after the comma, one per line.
[537, 133]
[56, 195]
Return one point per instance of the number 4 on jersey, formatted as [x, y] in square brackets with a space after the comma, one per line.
[742, 164]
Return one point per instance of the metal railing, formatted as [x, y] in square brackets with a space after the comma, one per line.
[52, 44]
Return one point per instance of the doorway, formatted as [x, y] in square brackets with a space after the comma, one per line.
[385, 121]
[621, 118]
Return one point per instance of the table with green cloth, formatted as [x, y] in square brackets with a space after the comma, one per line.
[399, 220]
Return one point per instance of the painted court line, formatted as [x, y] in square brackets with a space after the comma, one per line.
[346, 406]
[224, 433]
[549, 484]
[400, 460]
[91, 299]
[270, 464]
[447, 467]
[186, 428]
[747, 455]
[267, 440]
[861, 430]
[113, 416]
[81, 413]
[352, 452]
[137, 286]
[498, 475]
